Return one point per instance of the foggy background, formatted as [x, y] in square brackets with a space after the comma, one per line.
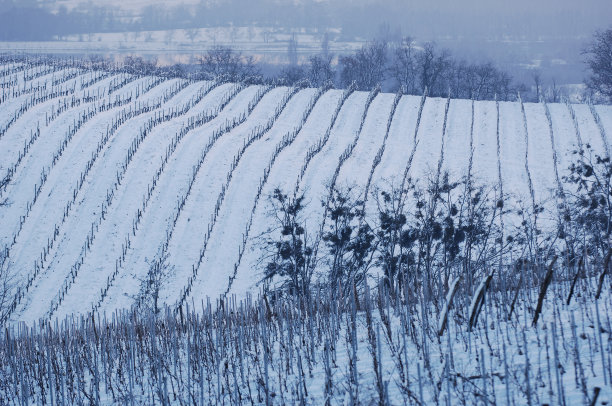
[521, 36]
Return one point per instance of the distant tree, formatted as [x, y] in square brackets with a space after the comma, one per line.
[537, 82]
[554, 92]
[599, 60]
[292, 51]
[488, 82]
[462, 80]
[136, 65]
[385, 33]
[320, 70]
[404, 66]
[225, 63]
[367, 67]
[172, 71]
[292, 74]
[505, 89]
[434, 66]
[485, 75]
[325, 46]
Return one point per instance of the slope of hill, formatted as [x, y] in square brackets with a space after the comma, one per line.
[110, 173]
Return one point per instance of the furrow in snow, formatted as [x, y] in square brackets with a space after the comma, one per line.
[285, 174]
[213, 278]
[135, 196]
[47, 221]
[99, 191]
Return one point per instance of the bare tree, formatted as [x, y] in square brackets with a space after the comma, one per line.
[367, 67]
[150, 286]
[6, 285]
[136, 65]
[555, 92]
[485, 80]
[434, 67]
[416, 69]
[325, 45]
[537, 81]
[599, 60]
[292, 74]
[505, 89]
[479, 81]
[320, 70]
[225, 63]
[292, 51]
[462, 80]
[404, 66]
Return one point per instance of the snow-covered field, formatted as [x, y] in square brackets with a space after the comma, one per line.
[109, 172]
[110, 175]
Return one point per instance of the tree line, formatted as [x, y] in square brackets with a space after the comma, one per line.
[412, 67]
[393, 65]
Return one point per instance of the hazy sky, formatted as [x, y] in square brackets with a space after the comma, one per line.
[459, 17]
[491, 6]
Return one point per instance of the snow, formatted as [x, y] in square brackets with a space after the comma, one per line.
[566, 140]
[119, 221]
[429, 139]
[541, 164]
[286, 170]
[353, 171]
[40, 156]
[588, 128]
[457, 142]
[485, 143]
[60, 186]
[210, 283]
[100, 282]
[512, 159]
[400, 142]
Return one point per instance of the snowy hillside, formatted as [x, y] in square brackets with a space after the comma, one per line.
[110, 172]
